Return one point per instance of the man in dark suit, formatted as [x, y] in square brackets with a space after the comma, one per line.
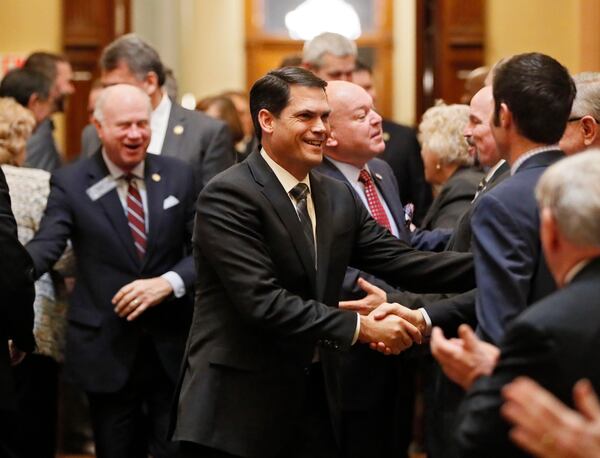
[129, 216]
[510, 268]
[42, 152]
[546, 342]
[402, 152]
[16, 315]
[373, 394]
[202, 142]
[273, 240]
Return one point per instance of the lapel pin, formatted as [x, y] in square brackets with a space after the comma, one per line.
[155, 177]
[379, 177]
[178, 129]
[386, 136]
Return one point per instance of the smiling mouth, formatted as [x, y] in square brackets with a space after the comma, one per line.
[316, 143]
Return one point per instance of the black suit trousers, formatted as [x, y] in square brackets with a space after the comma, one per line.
[133, 422]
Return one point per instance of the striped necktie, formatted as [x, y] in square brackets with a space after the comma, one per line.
[300, 194]
[135, 216]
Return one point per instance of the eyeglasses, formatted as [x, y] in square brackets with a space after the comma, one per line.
[579, 118]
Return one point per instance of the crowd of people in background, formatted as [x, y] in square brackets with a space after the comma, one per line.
[284, 273]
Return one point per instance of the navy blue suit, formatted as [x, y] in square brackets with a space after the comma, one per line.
[105, 352]
[509, 264]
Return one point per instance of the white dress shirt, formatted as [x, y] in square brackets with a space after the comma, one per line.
[173, 278]
[352, 173]
[288, 181]
[158, 124]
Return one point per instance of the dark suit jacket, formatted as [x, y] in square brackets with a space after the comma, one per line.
[454, 199]
[403, 154]
[261, 308]
[101, 346]
[193, 137]
[449, 312]
[16, 296]
[550, 342]
[41, 151]
[510, 266]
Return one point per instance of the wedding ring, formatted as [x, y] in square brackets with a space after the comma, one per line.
[136, 301]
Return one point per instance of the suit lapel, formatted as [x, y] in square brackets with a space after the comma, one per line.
[111, 204]
[175, 128]
[324, 233]
[274, 192]
[155, 194]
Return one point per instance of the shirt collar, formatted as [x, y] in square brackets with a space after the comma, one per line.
[529, 154]
[287, 180]
[572, 273]
[351, 172]
[494, 169]
[164, 107]
[116, 172]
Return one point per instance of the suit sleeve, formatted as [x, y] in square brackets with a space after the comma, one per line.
[185, 268]
[218, 156]
[505, 262]
[481, 429]
[379, 253]
[229, 236]
[16, 279]
[55, 230]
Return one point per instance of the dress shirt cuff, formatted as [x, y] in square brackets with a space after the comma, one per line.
[428, 324]
[357, 330]
[176, 283]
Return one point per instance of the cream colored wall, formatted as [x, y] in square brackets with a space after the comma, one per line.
[548, 26]
[32, 25]
[212, 55]
[404, 64]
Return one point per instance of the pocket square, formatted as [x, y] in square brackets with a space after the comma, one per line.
[169, 202]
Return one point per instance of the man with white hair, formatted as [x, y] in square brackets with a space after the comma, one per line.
[129, 216]
[330, 56]
[548, 341]
[582, 130]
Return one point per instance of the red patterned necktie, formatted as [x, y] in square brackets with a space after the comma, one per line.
[135, 216]
[375, 206]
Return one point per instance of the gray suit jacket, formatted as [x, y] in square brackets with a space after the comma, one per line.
[193, 137]
[41, 151]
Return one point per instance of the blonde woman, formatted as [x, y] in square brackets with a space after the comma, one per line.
[448, 165]
[37, 376]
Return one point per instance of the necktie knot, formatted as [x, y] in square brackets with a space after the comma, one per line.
[300, 192]
[364, 177]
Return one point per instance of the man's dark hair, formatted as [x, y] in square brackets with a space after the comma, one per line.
[362, 66]
[538, 91]
[21, 83]
[45, 63]
[272, 91]
[140, 57]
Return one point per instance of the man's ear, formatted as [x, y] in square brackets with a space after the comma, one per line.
[505, 116]
[331, 141]
[589, 128]
[98, 126]
[549, 233]
[266, 120]
[151, 83]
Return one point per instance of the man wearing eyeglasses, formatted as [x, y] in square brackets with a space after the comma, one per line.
[582, 130]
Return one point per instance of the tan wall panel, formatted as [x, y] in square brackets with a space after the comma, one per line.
[548, 26]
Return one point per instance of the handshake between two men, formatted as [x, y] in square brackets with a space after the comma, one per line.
[388, 328]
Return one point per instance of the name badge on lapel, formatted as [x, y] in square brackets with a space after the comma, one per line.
[99, 189]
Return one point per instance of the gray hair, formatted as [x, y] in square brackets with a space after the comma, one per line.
[570, 189]
[107, 92]
[327, 42]
[441, 132]
[140, 57]
[587, 99]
